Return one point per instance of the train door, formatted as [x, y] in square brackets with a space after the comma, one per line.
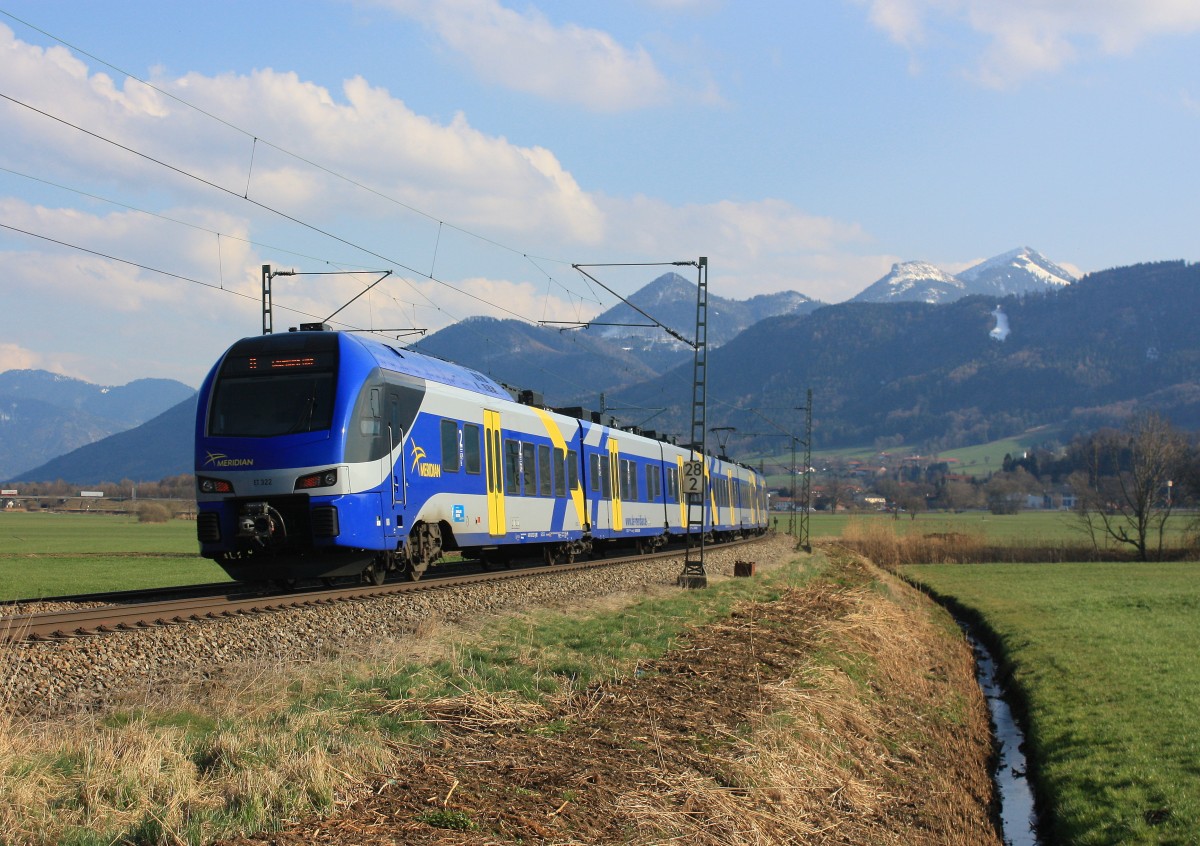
[395, 429]
[389, 410]
[495, 474]
[614, 473]
[679, 494]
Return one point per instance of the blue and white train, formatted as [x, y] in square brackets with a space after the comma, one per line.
[323, 454]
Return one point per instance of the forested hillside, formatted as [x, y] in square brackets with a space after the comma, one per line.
[934, 375]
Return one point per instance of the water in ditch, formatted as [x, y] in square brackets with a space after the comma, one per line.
[1018, 817]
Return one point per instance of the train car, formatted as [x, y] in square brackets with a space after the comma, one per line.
[323, 454]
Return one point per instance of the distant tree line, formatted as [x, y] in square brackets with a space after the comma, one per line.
[1123, 484]
[172, 487]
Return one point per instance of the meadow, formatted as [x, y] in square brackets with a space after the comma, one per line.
[1101, 663]
[542, 725]
[1029, 527]
[1099, 654]
[55, 554]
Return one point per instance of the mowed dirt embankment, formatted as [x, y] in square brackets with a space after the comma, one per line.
[842, 711]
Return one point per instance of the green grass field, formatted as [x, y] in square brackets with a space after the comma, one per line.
[48, 554]
[1104, 658]
[1027, 528]
[978, 460]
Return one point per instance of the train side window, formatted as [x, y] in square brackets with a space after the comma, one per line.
[491, 460]
[560, 476]
[594, 463]
[395, 430]
[369, 424]
[385, 408]
[672, 484]
[633, 481]
[545, 483]
[572, 470]
[528, 468]
[470, 434]
[623, 478]
[650, 492]
[449, 446]
[512, 461]
[605, 477]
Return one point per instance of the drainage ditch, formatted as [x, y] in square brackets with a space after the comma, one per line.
[1018, 816]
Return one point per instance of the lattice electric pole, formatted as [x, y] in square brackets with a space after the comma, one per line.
[805, 500]
[806, 507]
[695, 470]
[694, 575]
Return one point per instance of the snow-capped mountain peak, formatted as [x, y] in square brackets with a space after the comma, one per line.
[913, 281]
[1018, 271]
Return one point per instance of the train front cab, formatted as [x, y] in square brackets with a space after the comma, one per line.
[296, 441]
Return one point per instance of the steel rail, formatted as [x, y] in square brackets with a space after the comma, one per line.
[124, 596]
[80, 622]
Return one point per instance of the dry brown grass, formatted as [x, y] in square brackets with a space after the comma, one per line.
[836, 714]
[186, 765]
[881, 543]
[876, 746]
[843, 712]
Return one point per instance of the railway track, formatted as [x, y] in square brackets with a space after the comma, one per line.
[133, 615]
[117, 597]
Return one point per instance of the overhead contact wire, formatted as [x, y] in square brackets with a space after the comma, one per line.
[257, 204]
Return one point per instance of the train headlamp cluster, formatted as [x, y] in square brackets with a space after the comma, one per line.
[209, 485]
[320, 479]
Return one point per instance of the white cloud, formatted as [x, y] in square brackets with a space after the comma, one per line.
[765, 245]
[452, 170]
[130, 238]
[526, 52]
[1028, 37]
[16, 357]
[108, 321]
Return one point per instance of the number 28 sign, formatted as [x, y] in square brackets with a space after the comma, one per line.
[693, 477]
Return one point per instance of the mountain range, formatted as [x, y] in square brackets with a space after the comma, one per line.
[1013, 342]
[617, 348]
[44, 415]
[1020, 271]
[1078, 356]
[671, 300]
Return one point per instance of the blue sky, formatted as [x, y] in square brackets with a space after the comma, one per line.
[489, 144]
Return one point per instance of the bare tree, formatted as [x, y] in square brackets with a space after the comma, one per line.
[914, 498]
[838, 492]
[1126, 496]
[959, 496]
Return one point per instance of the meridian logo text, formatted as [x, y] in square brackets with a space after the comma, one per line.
[220, 459]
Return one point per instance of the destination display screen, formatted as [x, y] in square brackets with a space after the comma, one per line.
[264, 365]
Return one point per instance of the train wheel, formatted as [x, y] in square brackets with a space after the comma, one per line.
[374, 574]
[424, 547]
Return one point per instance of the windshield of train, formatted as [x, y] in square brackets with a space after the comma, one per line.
[262, 393]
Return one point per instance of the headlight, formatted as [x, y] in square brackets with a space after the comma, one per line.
[209, 485]
[320, 479]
